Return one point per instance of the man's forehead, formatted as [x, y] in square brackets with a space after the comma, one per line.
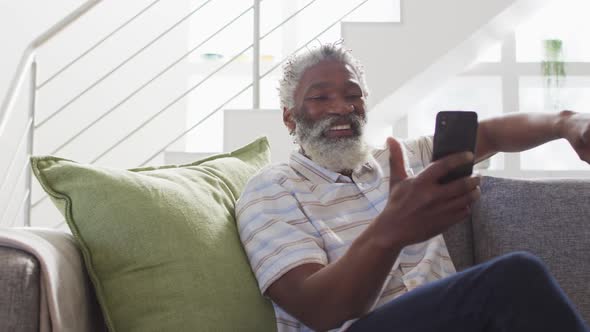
[328, 74]
[324, 84]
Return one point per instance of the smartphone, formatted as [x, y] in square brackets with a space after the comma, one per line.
[455, 131]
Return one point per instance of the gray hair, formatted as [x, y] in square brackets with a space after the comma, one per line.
[294, 68]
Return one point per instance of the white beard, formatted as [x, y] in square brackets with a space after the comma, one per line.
[338, 156]
[335, 154]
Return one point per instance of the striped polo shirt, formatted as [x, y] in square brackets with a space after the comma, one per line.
[298, 213]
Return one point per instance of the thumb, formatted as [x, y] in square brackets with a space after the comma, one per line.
[397, 168]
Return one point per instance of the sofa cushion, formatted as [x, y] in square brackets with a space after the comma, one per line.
[549, 218]
[459, 241]
[160, 243]
[19, 291]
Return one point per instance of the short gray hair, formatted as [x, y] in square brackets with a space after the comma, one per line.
[294, 68]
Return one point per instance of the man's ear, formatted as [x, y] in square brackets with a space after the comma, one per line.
[288, 119]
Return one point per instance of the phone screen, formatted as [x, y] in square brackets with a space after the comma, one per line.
[455, 131]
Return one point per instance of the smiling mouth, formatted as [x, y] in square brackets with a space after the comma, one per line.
[343, 130]
[340, 127]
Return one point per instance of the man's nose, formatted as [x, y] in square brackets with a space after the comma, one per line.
[343, 107]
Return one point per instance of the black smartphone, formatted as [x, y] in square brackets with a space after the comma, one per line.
[455, 131]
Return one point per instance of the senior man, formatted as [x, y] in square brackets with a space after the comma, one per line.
[345, 237]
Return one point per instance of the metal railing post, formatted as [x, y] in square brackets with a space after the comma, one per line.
[8, 105]
[30, 143]
[256, 57]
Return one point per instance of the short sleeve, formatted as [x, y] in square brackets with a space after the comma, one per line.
[418, 152]
[275, 233]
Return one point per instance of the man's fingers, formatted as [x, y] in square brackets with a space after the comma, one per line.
[459, 187]
[397, 168]
[441, 167]
[464, 201]
[449, 218]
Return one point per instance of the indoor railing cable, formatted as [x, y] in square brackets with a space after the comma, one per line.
[27, 71]
[143, 86]
[12, 166]
[162, 72]
[152, 157]
[172, 65]
[222, 105]
[184, 94]
[96, 45]
[119, 66]
[112, 109]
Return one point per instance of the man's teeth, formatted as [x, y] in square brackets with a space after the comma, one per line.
[341, 127]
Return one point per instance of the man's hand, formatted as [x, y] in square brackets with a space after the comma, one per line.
[420, 207]
[575, 127]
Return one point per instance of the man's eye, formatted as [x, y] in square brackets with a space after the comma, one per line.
[354, 96]
[319, 98]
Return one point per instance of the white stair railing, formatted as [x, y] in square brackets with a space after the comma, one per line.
[28, 69]
[122, 64]
[222, 105]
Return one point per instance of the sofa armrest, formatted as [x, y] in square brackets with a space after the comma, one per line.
[549, 218]
[66, 300]
[19, 291]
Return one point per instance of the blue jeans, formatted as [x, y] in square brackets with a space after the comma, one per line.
[514, 292]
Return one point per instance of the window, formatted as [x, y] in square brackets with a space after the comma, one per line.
[469, 93]
[509, 78]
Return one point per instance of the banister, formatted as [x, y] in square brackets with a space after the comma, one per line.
[95, 45]
[119, 66]
[287, 19]
[184, 94]
[143, 124]
[22, 173]
[28, 56]
[247, 87]
[23, 203]
[19, 149]
[139, 89]
[189, 90]
[162, 72]
[196, 125]
[314, 38]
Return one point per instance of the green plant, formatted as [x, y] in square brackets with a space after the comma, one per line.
[553, 67]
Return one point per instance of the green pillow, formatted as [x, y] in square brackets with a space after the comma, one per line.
[160, 243]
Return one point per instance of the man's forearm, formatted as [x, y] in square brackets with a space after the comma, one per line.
[348, 287]
[518, 132]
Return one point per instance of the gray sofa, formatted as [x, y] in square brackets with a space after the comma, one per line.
[550, 218]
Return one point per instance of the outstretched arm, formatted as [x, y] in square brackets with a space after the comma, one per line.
[520, 132]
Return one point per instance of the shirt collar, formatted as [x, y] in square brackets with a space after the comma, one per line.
[318, 174]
